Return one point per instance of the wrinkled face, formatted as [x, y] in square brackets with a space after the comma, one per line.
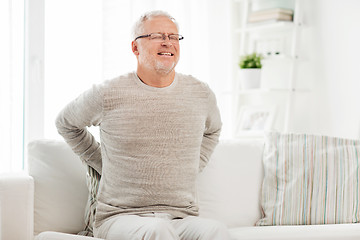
[160, 56]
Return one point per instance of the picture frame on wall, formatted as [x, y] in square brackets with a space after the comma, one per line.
[255, 120]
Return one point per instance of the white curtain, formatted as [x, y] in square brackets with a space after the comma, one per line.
[11, 85]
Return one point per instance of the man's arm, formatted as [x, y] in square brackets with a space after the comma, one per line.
[72, 123]
[212, 132]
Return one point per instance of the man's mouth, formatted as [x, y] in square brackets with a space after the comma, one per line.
[165, 54]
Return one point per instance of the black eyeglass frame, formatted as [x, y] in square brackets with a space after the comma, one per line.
[163, 36]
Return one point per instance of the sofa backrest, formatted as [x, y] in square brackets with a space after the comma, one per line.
[228, 188]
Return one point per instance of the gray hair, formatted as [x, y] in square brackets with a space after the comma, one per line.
[138, 27]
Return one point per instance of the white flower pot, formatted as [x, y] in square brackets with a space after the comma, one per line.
[250, 78]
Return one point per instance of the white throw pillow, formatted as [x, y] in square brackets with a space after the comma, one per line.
[230, 185]
[60, 187]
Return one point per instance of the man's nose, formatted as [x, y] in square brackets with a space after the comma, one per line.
[166, 42]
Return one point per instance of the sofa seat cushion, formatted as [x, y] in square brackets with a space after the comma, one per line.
[62, 236]
[298, 232]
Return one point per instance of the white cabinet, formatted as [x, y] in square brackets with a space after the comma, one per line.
[279, 41]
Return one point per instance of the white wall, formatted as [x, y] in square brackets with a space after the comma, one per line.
[330, 49]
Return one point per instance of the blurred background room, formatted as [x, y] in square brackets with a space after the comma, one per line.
[53, 50]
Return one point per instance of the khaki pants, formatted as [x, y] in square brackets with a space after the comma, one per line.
[161, 226]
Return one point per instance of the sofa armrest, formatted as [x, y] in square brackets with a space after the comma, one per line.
[16, 206]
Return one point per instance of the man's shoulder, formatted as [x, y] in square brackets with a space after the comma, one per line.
[192, 81]
[118, 81]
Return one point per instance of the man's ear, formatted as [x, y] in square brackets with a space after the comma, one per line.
[134, 47]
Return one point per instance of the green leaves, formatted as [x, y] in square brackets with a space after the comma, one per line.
[251, 61]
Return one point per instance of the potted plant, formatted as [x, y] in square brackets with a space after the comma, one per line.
[250, 70]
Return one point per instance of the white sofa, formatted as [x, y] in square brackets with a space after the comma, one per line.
[49, 203]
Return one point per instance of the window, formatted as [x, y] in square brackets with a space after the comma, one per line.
[72, 54]
[12, 84]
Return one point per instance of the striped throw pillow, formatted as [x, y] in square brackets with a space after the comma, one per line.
[92, 180]
[310, 180]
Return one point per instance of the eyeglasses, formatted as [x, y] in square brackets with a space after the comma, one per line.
[159, 37]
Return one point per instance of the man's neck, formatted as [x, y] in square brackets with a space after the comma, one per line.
[155, 79]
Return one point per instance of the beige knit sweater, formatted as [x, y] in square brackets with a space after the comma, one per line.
[154, 141]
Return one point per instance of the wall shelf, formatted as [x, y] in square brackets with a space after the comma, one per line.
[278, 41]
[267, 26]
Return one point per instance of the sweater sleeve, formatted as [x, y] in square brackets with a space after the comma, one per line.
[212, 131]
[72, 123]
